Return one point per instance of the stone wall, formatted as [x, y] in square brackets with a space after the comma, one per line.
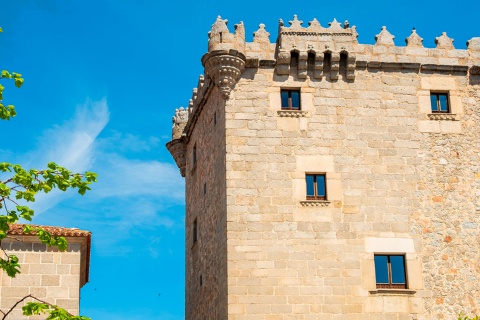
[53, 276]
[400, 179]
[206, 203]
[386, 180]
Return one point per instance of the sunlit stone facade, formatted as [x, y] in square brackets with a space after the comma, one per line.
[394, 132]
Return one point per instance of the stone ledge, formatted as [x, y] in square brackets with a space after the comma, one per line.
[393, 292]
[315, 203]
[442, 116]
[292, 113]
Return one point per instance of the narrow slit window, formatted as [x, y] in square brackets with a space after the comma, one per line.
[195, 231]
[194, 155]
[290, 99]
[439, 102]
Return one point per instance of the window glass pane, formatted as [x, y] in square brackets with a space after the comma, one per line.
[443, 103]
[381, 269]
[284, 95]
[433, 101]
[310, 190]
[398, 269]
[321, 185]
[295, 99]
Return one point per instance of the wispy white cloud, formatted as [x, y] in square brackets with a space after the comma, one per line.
[122, 177]
[133, 198]
[71, 144]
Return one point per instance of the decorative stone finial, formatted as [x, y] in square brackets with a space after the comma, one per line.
[335, 26]
[414, 40]
[240, 31]
[385, 38]
[295, 24]
[261, 35]
[444, 42]
[314, 26]
[201, 82]
[179, 121]
[473, 44]
[219, 26]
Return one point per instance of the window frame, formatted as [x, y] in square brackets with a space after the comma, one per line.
[437, 95]
[289, 100]
[390, 284]
[316, 196]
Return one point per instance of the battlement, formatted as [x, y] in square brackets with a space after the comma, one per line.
[320, 53]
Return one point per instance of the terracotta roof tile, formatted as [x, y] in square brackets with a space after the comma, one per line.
[17, 229]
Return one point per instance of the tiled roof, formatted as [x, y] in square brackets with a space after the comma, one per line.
[17, 229]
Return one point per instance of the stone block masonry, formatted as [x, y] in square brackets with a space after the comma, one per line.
[46, 273]
[401, 176]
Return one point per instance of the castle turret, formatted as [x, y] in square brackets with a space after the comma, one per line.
[225, 59]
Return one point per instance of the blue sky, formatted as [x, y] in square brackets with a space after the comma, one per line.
[102, 81]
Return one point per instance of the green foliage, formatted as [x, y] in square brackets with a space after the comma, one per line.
[462, 316]
[7, 112]
[54, 312]
[10, 265]
[24, 185]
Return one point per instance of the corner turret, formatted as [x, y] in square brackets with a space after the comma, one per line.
[225, 59]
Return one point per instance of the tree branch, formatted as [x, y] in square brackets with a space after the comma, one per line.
[15, 305]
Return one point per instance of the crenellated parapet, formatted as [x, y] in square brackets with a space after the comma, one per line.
[329, 53]
[220, 38]
[183, 121]
[323, 45]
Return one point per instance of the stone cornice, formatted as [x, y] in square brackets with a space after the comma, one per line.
[442, 116]
[315, 203]
[292, 113]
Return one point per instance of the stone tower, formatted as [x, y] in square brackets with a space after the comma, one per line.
[326, 179]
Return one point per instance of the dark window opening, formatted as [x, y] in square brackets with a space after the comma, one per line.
[390, 271]
[201, 280]
[294, 59]
[311, 62]
[195, 231]
[439, 102]
[327, 60]
[204, 188]
[343, 64]
[215, 118]
[316, 187]
[194, 155]
[290, 99]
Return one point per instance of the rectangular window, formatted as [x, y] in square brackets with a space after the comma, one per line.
[316, 187]
[439, 102]
[290, 99]
[390, 271]
[195, 231]
[194, 155]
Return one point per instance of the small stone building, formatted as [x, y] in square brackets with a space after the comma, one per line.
[327, 179]
[46, 273]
